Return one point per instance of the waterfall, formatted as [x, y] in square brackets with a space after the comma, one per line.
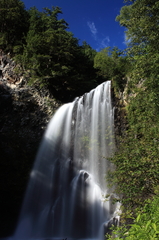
[65, 194]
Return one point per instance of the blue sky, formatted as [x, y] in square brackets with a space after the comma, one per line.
[92, 21]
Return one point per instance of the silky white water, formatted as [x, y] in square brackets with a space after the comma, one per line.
[65, 194]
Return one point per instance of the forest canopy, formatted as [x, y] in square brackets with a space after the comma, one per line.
[49, 53]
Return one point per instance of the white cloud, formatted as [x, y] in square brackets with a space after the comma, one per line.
[92, 28]
[101, 42]
[104, 42]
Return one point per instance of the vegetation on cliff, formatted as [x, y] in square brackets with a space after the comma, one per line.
[136, 175]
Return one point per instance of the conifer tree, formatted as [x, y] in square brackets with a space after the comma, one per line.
[54, 58]
[13, 24]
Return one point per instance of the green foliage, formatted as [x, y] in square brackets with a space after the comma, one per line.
[136, 161]
[112, 65]
[13, 24]
[145, 226]
[136, 173]
[53, 58]
[141, 21]
[89, 52]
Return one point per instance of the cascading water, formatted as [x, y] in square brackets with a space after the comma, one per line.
[64, 198]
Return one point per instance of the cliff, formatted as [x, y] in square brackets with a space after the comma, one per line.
[24, 114]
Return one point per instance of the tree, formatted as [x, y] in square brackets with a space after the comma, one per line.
[112, 65]
[54, 58]
[45, 37]
[141, 21]
[104, 62]
[13, 24]
[88, 51]
[136, 160]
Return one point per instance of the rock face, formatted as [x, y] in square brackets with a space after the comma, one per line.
[120, 116]
[24, 114]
